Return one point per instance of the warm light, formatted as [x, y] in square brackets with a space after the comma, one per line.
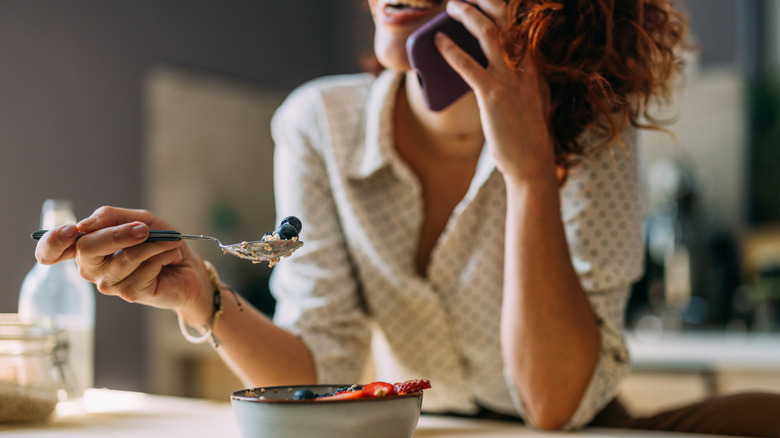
[104, 401]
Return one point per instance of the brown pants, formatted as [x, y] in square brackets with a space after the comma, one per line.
[748, 414]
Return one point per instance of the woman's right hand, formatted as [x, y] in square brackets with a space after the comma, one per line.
[514, 103]
[113, 254]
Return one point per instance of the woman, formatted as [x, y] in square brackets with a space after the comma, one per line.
[491, 244]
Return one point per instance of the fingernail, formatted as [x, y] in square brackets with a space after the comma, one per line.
[87, 222]
[452, 7]
[139, 231]
[69, 231]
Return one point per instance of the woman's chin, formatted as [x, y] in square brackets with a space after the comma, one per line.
[392, 58]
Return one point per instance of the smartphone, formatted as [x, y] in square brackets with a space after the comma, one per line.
[440, 84]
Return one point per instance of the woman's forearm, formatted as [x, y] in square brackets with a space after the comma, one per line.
[550, 338]
[259, 352]
[256, 350]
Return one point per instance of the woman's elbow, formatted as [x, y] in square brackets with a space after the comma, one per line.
[553, 417]
[550, 424]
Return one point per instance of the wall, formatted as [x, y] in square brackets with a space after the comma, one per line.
[71, 98]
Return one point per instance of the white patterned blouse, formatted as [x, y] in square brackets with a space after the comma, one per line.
[353, 288]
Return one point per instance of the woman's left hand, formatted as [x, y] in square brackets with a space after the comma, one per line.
[514, 105]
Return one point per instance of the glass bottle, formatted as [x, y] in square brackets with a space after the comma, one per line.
[58, 292]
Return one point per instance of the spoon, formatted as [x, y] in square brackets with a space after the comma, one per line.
[257, 251]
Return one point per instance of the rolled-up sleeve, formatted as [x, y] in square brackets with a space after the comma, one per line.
[603, 215]
[317, 295]
[602, 211]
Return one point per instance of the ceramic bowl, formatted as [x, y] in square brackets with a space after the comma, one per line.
[272, 412]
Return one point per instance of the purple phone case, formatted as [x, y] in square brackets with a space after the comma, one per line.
[441, 85]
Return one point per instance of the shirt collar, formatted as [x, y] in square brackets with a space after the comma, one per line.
[377, 151]
[485, 167]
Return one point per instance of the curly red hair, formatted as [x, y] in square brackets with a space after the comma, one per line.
[605, 61]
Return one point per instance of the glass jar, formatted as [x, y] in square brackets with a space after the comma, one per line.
[33, 369]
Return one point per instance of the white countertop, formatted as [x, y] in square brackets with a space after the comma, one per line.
[122, 414]
[706, 351]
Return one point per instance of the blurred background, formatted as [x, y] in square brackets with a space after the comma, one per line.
[165, 105]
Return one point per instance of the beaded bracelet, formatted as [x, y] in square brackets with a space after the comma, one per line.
[210, 327]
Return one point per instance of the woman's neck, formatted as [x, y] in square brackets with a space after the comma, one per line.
[452, 133]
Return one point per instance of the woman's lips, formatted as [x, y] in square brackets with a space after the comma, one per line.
[406, 11]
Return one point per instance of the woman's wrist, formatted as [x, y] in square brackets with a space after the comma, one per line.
[214, 306]
[543, 184]
[198, 305]
[537, 173]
